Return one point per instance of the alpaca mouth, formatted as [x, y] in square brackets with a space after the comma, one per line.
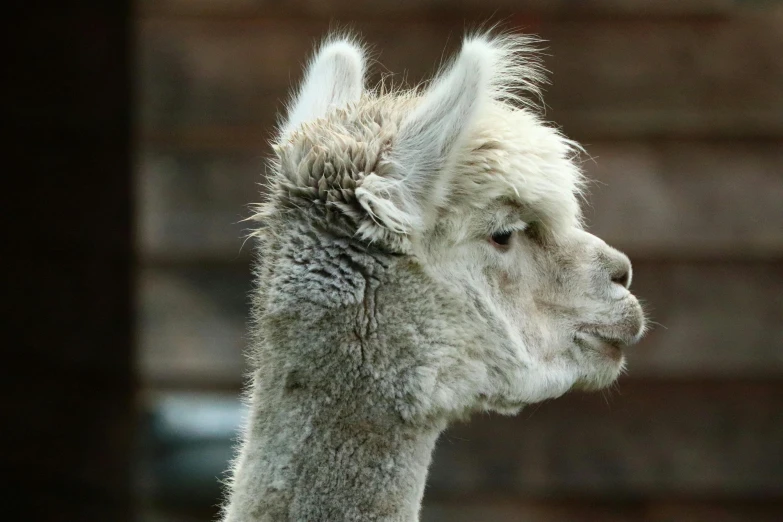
[602, 343]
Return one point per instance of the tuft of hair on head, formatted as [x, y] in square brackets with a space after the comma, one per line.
[488, 69]
[334, 77]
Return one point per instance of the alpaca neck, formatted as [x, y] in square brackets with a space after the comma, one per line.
[308, 462]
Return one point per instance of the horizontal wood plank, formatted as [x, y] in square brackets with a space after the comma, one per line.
[692, 198]
[715, 77]
[650, 438]
[712, 319]
[651, 449]
[423, 8]
[191, 206]
[192, 326]
[519, 508]
[678, 78]
[651, 199]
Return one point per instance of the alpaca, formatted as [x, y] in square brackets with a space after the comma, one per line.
[421, 257]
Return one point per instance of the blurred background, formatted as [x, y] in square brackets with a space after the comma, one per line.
[140, 132]
[680, 105]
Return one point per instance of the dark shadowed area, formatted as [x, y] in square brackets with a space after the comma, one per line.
[68, 388]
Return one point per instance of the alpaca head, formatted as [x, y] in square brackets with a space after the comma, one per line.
[500, 296]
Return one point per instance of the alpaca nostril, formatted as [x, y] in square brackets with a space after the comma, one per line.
[622, 275]
[623, 278]
[618, 267]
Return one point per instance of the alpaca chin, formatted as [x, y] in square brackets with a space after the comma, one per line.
[604, 373]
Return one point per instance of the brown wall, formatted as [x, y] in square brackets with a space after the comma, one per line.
[680, 103]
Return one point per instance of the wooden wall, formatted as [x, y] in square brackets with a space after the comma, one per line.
[680, 105]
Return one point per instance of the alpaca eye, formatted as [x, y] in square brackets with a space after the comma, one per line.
[501, 239]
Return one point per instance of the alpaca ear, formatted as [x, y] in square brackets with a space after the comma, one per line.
[427, 140]
[334, 78]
